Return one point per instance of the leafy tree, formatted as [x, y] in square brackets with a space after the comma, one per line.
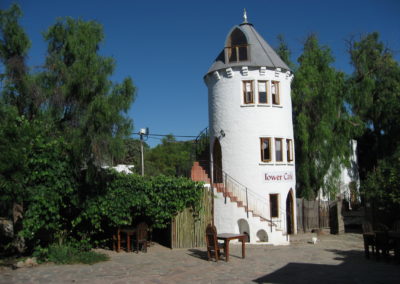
[284, 52]
[51, 192]
[132, 155]
[171, 158]
[382, 187]
[321, 129]
[374, 96]
[57, 122]
[124, 199]
[85, 105]
[19, 89]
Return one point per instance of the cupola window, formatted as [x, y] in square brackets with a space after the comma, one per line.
[237, 46]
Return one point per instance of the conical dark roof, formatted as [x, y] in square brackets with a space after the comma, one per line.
[261, 54]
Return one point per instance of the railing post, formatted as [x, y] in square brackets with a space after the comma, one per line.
[247, 204]
[225, 189]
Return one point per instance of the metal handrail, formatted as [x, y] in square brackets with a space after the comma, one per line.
[201, 141]
[251, 200]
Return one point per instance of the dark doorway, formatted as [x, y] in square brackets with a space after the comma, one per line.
[290, 213]
[217, 158]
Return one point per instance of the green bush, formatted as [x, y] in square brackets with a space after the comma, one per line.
[68, 254]
[126, 198]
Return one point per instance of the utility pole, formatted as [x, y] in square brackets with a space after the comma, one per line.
[142, 132]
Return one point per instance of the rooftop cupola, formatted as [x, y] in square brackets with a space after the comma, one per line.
[245, 47]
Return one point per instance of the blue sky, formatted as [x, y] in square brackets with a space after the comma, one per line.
[168, 46]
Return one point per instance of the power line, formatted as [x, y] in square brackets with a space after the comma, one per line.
[165, 135]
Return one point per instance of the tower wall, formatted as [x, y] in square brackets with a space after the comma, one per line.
[244, 125]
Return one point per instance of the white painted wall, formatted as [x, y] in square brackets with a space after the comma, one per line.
[227, 215]
[347, 175]
[243, 126]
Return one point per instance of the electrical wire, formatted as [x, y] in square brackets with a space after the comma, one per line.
[165, 135]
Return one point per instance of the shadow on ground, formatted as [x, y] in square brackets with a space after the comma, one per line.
[202, 254]
[354, 269]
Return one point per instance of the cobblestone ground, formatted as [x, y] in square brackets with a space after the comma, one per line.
[334, 259]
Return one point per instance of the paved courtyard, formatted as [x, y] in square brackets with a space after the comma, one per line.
[334, 259]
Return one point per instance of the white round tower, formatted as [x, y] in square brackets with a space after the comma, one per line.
[251, 138]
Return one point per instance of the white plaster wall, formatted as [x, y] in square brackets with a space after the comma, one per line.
[347, 175]
[227, 215]
[244, 125]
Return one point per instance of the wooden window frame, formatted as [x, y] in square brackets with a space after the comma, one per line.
[245, 91]
[262, 150]
[236, 50]
[266, 91]
[277, 205]
[281, 140]
[276, 100]
[289, 150]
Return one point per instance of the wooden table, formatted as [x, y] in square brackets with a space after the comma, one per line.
[226, 237]
[129, 232]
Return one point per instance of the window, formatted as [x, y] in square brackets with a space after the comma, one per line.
[274, 205]
[266, 149]
[248, 96]
[275, 93]
[262, 92]
[278, 150]
[289, 150]
[237, 53]
[237, 47]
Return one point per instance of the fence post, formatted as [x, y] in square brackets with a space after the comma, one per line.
[304, 218]
[247, 205]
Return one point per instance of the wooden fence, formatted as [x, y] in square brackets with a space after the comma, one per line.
[187, 230]
[312, 214]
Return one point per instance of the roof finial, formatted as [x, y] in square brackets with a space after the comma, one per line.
[244, 16]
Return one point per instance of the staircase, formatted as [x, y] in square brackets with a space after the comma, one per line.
[253, 204]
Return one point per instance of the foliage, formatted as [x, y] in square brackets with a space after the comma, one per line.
[382, 188]
[14, 45]
[284, 52]
[51, 192]
[132, 154]
[84, 103]
[16, 134]
[66, 117]
[321, 131]
[170, 195]
[374, 96]
[128, 198]
[171, 158]
[68, 254]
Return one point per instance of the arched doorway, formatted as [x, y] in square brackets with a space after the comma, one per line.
[290, 212]
[217, 159]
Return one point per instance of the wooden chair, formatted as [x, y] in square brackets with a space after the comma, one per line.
[141, 236]
[369, 238]
[213, 247]
[382, 242]
[117, 240]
